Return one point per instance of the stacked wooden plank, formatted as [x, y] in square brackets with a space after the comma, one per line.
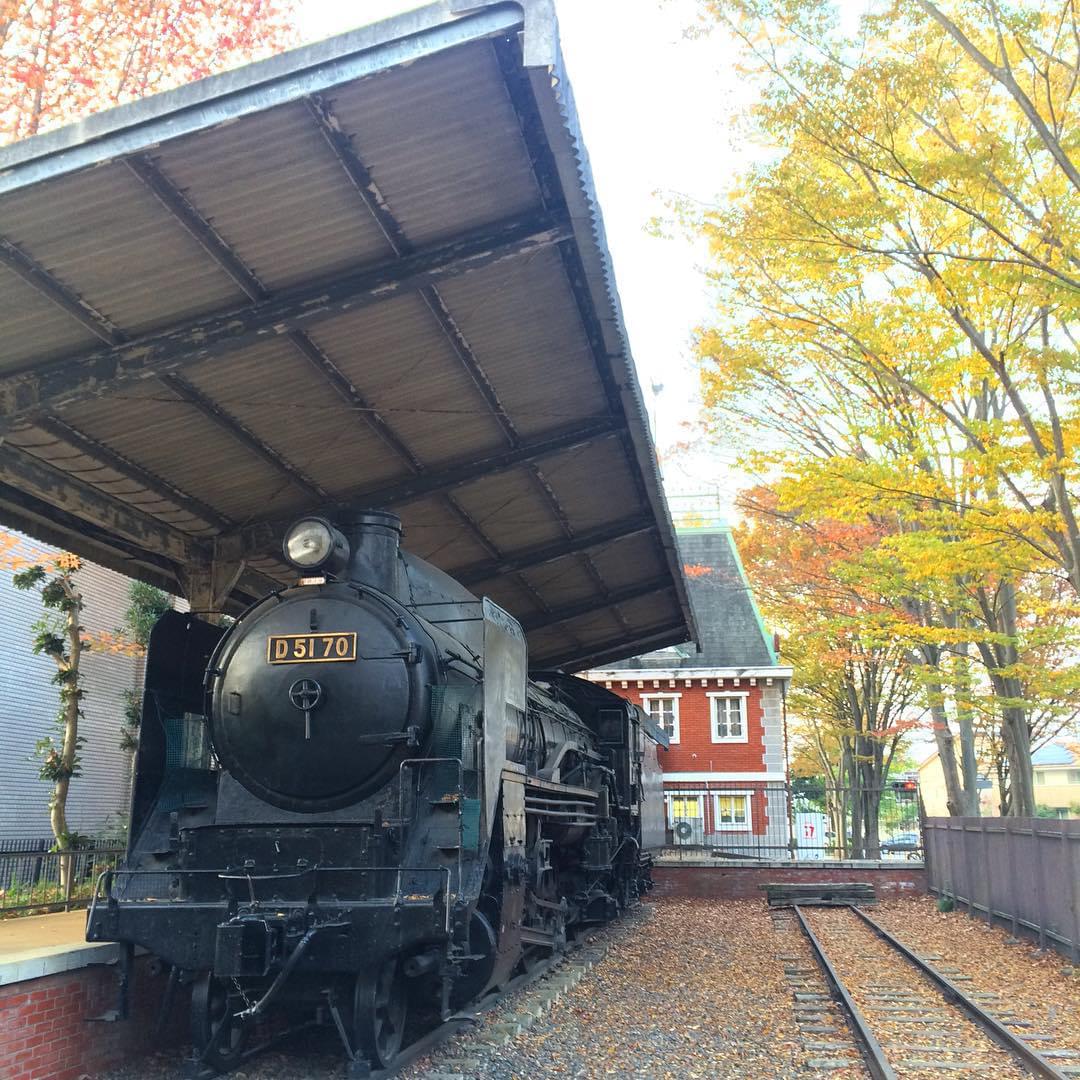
[787, 893]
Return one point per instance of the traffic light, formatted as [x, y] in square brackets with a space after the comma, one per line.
[904, 785]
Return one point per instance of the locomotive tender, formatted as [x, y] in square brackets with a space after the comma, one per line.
[354, 800]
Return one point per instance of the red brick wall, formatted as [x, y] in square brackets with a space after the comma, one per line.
[47, 1032]
[695, 750]
[744, 883]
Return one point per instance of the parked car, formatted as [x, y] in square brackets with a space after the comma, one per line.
[901, 842]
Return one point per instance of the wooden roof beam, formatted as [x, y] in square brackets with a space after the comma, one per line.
[87, 376]
[243, 435]
[96, 451]
[617, 648]
[188, 215]
[85, 503]
[266, 534]
[377, 206]
[596, 604]
[529, 558]
[40, 280]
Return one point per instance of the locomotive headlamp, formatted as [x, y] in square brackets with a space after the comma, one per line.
[313, 544]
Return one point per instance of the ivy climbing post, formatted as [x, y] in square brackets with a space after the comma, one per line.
[146, 604]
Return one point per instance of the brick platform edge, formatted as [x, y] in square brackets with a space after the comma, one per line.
[47, 1030]
[891, 882]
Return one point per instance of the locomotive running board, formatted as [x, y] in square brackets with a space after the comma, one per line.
[514, 772]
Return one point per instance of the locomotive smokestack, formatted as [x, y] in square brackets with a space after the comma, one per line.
[375, 539]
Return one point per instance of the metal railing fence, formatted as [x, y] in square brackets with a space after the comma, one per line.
[1021, 871]
[760, 821]
[37, 879]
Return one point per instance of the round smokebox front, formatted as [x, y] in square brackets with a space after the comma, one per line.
[316, 698]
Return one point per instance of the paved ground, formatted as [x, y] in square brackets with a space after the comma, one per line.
[67, 928]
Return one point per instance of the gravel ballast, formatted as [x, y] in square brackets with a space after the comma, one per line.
[693, 988]
[1040, 986]
[683, 988]
[696, 988]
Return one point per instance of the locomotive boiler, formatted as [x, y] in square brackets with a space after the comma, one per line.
[355, 802]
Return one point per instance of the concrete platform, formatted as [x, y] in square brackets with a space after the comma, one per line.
[39, 945]
[59, 1000]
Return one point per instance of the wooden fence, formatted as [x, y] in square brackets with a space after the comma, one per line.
[1021, 871]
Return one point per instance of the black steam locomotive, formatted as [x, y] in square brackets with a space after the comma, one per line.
[354, 801]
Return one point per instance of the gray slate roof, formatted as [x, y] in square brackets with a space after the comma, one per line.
[731, 633]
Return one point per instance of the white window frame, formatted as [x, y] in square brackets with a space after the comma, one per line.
[719, 826]
[674, 737]
[712, 696]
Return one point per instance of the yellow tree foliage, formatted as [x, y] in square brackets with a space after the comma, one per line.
[898, 289]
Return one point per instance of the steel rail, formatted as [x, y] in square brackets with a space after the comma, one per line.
[872, 1051]
[996, 1030]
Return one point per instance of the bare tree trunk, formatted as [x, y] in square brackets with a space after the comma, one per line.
[946, 748]
[70, 695]
[1014, 716]
[847, 812]
[1018, 747]
[999, 659]
[873, 834]
[1001, 768]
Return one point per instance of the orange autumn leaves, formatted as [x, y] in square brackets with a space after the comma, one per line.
[17, 554]
[63, 59]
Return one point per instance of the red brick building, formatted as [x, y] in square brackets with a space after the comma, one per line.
[722, 708]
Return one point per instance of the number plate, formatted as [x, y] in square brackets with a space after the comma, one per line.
[311, 648]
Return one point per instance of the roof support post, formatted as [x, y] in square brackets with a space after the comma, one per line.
[208, 582]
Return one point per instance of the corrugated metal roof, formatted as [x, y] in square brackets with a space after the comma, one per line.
[371, 270]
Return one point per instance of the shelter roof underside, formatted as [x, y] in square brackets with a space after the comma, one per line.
[375, 293]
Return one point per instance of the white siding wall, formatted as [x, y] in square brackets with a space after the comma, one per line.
[29, 703]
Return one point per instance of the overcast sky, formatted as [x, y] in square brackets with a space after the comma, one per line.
[655, 109]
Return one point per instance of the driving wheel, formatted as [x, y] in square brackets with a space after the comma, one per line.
[216, 1034]
[380, 1006]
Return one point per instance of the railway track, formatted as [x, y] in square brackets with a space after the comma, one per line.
[906, 1018]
